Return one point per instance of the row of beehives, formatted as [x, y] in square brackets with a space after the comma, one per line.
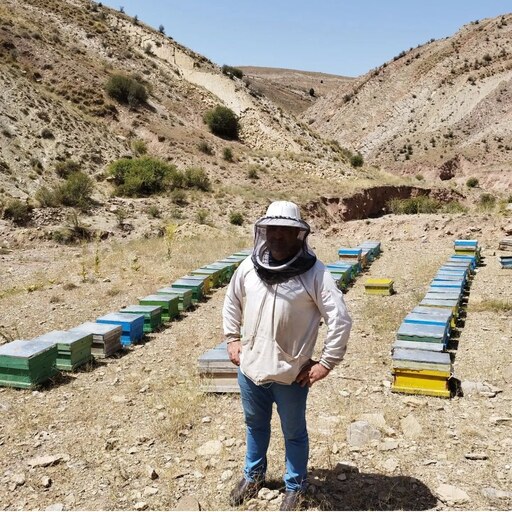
[28, 363]
[219, 374]
[421, 361]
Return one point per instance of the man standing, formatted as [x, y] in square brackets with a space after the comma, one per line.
[277, 297]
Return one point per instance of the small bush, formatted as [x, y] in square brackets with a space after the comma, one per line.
[472, 182]
[419, 177]
[195, 177]
[227, 154]
[201, 216]
[454, 207]
[46, 198]
[420, 204]
[312, 92]
[205, 148]
[252, 173]
[236, 218]
[46, 133]
[75, 191]
[232, 72]
[222, 122]
[126, 90]
[64, 169]
[356, 160]
[487, 201]
[153, 211]
[144, 176]
[18, 211]
[179, 197]
[139, 147]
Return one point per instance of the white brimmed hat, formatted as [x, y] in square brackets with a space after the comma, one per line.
[283, 213]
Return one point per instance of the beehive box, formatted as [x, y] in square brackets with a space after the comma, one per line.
[430, 319]
[27, 363]
[152, 315]
[421, 372]
[204, 281]
[169, 303]
[106, 338]
[132, 326]
[184, 296]
[505, 261]
[374, 248]
[218, 374]
[379, 286]
[429, 333]
[227, 269]
[418, 345]
[73, 348]
[195, 286]
[214, 275]
[435, 312]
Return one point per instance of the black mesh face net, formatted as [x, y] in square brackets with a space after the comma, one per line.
[295, 240]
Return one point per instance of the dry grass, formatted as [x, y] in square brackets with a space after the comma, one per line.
[494, 305]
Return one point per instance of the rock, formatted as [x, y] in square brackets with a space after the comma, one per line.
[46, 482]
[210, 448]
[142, 505]
[481, 388]
[345, 467]
[187, 503]
[206, 419]
[410, 427]
[152, 474]
[388, 444]
[57, 507]
[376, 420]
[360, 433]
[341, 477]
[451, 495]
[267, 494]
[47, 460]
[496, 420]
[476, 456]
[496, 494]
[390, 465]
[150, 491]
[226, 475]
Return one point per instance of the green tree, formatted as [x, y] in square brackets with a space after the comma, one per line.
[222, 122]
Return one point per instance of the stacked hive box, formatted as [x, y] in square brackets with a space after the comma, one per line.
[421, 364]
[505, 244]
[27, 363]
[73, 348]
[218, 374]
[152, 315]
[132, 326]
[169, 304]
[505, 261]
[106, 338]
[379, 286]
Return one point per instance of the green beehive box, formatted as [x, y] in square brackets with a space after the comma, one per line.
[228, 268]
[203, 280]
[213, 275]
[152, 315]
[168, 302]
[27, 363]
[195, 286]
[184, 294]
[73, 348]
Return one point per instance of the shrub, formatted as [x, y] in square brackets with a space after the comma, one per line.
[227, 154]
[161, 29]
[75, 191]
[487, 201]
[18, 211]
[222, 122]
[472, 182]
[195, 177]
[46, 197]
[236, 218]
[143, 176]
[356, 160]
[312, 92]
[252, 173]
[454, 207]
[47, 133]
[201, 216]
[232, 72]
[64, 169]
[179, 197]
[153, 211]
[420, 204]
[419, 177]
[126, 90]
[139, 147]
[205, 148]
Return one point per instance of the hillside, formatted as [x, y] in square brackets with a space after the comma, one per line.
[291, 89]
[445, 103]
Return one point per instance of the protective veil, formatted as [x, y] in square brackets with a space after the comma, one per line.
[285, 214]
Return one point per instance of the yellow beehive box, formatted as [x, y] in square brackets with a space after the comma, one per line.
[421, 382]
[379, 286]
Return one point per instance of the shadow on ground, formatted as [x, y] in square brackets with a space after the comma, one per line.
[364, 491]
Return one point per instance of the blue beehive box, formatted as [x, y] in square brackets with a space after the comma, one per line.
[132, 326]
[422, 332]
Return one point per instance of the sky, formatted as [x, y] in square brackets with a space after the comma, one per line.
[341, 37]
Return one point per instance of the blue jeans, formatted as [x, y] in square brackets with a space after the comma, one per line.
[291, 406]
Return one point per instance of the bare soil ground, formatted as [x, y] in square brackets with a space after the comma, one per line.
[135, 432]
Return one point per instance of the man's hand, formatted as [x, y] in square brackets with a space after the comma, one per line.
[312, 373]
[234, 349]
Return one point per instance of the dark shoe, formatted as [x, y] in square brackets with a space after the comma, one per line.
[244, 490]
[292, 500]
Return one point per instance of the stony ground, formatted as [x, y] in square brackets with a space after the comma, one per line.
[135, 432]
